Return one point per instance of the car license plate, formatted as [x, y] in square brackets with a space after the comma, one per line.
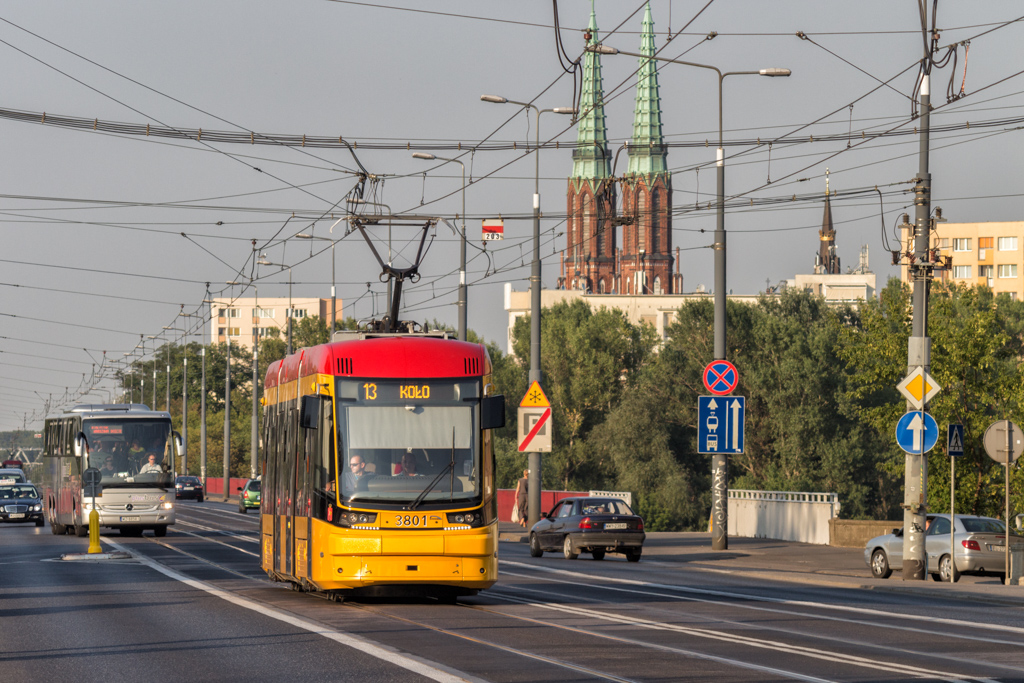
[17, 515]
[616, 525]
[997, 548]
[190, 488]
[131, 519]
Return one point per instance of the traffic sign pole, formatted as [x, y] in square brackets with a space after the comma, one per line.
[720, 378]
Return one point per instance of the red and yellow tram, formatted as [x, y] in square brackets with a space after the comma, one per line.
[378, 467]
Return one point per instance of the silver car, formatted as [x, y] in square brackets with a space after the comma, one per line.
[979, 544]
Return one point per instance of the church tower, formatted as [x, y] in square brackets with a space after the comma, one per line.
[646, 263]
[826, 261]
[589, 262]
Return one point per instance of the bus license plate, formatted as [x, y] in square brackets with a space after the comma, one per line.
[16, 515]
[616, 525]
[131, 519]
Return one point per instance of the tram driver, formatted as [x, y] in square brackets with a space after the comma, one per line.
[356, 477]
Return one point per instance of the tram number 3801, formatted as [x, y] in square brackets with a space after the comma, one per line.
[410, 520]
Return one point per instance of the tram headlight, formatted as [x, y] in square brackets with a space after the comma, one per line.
[357, 518]
[473, 519]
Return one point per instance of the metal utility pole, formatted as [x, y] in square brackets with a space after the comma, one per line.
[202, 419]
[227, 422]
[915, 502]
[184, 414]
[255, 411]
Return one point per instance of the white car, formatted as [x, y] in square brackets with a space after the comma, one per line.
[979, 544]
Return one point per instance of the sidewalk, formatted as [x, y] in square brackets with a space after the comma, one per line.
[759, 559]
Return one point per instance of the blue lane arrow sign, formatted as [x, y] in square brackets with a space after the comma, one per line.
[917, 432]
[720, 424]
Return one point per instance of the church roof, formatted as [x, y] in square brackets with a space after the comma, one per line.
[591, 159]
[646, 151]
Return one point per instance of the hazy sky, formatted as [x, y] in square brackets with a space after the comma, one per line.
[106, 236]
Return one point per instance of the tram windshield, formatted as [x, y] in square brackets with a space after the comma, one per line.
[131, 453]
[409, 442]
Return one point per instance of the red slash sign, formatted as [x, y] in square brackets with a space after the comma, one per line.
[525, 445]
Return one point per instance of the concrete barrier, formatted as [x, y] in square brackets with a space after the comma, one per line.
[855, 533]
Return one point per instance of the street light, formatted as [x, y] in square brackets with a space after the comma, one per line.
[719, 462]
[264, 262]
[334, 299]
[463, 293]
[534, 481]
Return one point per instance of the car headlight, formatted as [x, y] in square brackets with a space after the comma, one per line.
[37, 508]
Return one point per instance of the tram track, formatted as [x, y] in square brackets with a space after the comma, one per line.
[552, 600]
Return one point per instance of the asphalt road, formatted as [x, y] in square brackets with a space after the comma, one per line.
[195, 606]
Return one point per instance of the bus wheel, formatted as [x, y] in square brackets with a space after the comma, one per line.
[57, 529]
[81, 530]
[160, 531]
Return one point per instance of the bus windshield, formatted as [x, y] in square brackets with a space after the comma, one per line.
[409, 442]
[131, 453]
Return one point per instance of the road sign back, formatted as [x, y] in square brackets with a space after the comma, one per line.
[720, 377]
[535, 397]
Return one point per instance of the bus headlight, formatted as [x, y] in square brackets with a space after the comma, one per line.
[168, 505]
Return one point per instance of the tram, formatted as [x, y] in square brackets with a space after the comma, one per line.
[133, 448]
[378, 467]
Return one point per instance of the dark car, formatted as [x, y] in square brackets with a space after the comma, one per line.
[188, 487]
[20, 503]
[589, 525]
[249, 496]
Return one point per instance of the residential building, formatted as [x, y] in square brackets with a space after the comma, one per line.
[990, 254]
[245, 320]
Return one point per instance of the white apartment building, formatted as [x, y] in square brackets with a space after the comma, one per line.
[246, 320]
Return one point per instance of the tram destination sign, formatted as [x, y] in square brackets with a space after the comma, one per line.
[419, 391]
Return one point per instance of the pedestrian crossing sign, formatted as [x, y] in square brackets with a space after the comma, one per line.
[954, 440]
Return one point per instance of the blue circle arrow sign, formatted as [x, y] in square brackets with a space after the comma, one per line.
[917, 432]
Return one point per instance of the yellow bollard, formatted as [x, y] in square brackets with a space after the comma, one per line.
[94, 532]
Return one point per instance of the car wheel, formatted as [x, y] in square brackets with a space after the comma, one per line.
[199, 498]
[40, 522]
[598, 554]
[567, 549]
[241, 509]
[880, 565]
[535, 549]
[160, 531]
[944, 569]
[633, 555]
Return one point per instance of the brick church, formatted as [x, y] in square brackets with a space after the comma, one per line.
[593, 261]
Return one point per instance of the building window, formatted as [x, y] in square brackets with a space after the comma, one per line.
[655, 233]
[962, 272]
[588, 212]
[1008, 270]
[220, 331]
[657, 285]
[263, 312]
[643, 220]
[1007, 244]
[944, 243]
[230, 313]
[296, 313]
[1013, 296]
[234, 331]
[962, 244]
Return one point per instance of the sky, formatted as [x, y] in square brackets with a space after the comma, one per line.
[108, 237]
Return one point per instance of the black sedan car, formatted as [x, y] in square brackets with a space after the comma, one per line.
[20, 503]
[188, 487]
[589, 525]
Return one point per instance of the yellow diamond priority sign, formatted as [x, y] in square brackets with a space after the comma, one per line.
[919, 387]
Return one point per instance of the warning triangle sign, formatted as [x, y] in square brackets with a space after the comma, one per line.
[535, 397]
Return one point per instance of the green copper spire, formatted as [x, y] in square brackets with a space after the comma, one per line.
[590, 159]
[646, 151]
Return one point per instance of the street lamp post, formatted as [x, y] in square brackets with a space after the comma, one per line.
[334, 298]
[534, 480]
[719, 461]
[463, 293]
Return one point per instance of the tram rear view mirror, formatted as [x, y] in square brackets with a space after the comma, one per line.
[492, 412]
[80, 445]
[309, 412]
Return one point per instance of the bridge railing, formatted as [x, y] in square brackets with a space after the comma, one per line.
[782, 515]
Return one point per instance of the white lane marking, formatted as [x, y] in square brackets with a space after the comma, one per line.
[655, 646]
[408, 662]
[736, 638]
[781, 601]
[213, 540]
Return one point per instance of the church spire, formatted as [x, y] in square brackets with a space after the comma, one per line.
[827, 261]
[646, 151]
[591, 159]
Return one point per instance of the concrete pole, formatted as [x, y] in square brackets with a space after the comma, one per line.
[202, 420]
[184, 414]
[227, 422]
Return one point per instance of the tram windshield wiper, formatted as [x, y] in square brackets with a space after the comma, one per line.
[432, 484]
